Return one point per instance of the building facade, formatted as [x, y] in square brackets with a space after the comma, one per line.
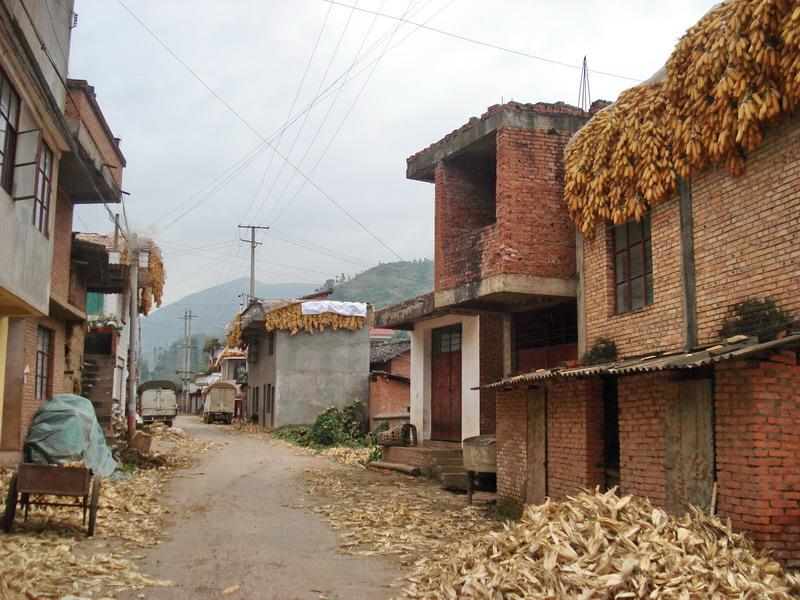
[505, 283]
[294, 375]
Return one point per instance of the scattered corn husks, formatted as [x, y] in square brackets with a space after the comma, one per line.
[395, 516]
[343, 454]
[49, 556]
[731, 76]
[603, 546]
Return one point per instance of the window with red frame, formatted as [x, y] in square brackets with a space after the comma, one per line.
[41, 200]
[633, 265]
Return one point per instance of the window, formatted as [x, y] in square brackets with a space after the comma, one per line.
[271, 343]
[446, 339]
[9, 118]
[41, 200]
[633, 265]
[42, 379]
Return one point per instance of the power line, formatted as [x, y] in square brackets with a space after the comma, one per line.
[244, 121]
[485, 44]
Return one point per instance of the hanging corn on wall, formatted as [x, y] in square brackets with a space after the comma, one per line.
[233, 338]
[729, 77]
[290, 318]
[155, 268]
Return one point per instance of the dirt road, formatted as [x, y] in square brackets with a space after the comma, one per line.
[238, 519]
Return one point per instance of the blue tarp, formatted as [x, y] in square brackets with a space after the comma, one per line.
[66, 430]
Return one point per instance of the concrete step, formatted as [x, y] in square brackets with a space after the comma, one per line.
[454, 481]
[457, 461]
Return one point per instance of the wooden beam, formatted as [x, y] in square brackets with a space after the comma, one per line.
[687, 260]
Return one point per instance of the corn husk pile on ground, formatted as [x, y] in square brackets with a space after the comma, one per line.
[342, 454]
[291, 318]
[602, 546]
[188, 447]
[729, 78]
[49, 556]
[396, 516]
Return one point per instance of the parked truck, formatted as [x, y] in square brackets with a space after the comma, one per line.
[219, 400]
[157, 401]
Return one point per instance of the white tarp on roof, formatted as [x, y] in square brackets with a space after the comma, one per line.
[348, 309]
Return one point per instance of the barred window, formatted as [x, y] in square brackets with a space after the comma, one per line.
[633, 265]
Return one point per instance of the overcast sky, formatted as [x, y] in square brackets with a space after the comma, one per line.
[181, 142]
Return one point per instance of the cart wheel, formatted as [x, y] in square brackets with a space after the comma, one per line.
[93, 506]
[11, 505]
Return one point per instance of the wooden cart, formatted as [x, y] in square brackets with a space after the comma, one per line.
[33, 484]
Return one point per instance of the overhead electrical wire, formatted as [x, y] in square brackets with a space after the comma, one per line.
[255, 131]
[487, 44]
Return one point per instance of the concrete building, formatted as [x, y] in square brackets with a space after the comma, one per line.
[505, 284]
[682, 411]
[299, 365]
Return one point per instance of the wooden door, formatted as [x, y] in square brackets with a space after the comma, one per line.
[446, 384]
[536, 468]
[689, 452]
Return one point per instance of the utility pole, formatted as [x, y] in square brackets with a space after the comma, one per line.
[253, 243]
[130, 404]
[186, 367]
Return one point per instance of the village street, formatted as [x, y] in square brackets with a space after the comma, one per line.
[238, 518]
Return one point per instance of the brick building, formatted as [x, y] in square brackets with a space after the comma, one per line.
[49, 350]
[505, 280]
[685, 413]
[389, 383]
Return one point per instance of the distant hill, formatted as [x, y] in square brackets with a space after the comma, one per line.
[214, 307]
[388, 283]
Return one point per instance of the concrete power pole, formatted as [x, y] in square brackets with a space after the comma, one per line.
[133, 345]
[253, 243]
[186, 367]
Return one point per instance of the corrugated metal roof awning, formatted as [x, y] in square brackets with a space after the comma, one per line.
[691, 360]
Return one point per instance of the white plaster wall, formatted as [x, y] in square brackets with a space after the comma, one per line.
[470, 374]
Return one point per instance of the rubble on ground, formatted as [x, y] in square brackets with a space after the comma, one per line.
[602, 546]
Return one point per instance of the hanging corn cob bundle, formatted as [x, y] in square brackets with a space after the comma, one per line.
[158, 275]
[732, 75]
[234, 339]
[290, 318]
[145, 300]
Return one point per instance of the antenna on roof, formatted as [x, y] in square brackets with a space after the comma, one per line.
[584, 95]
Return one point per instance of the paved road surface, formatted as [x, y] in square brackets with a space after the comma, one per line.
[232, 522]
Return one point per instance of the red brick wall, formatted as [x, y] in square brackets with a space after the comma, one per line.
[747, 231]
[746, 244]
[401, 365]
[641, 435]
[20, 404]
[62, 248]
[388, 396]
[491, 368]
[534, 232]
[512, 455]
[658, 326]
[574, 440]
[758, 451]
[527, 231]
[574, 436]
